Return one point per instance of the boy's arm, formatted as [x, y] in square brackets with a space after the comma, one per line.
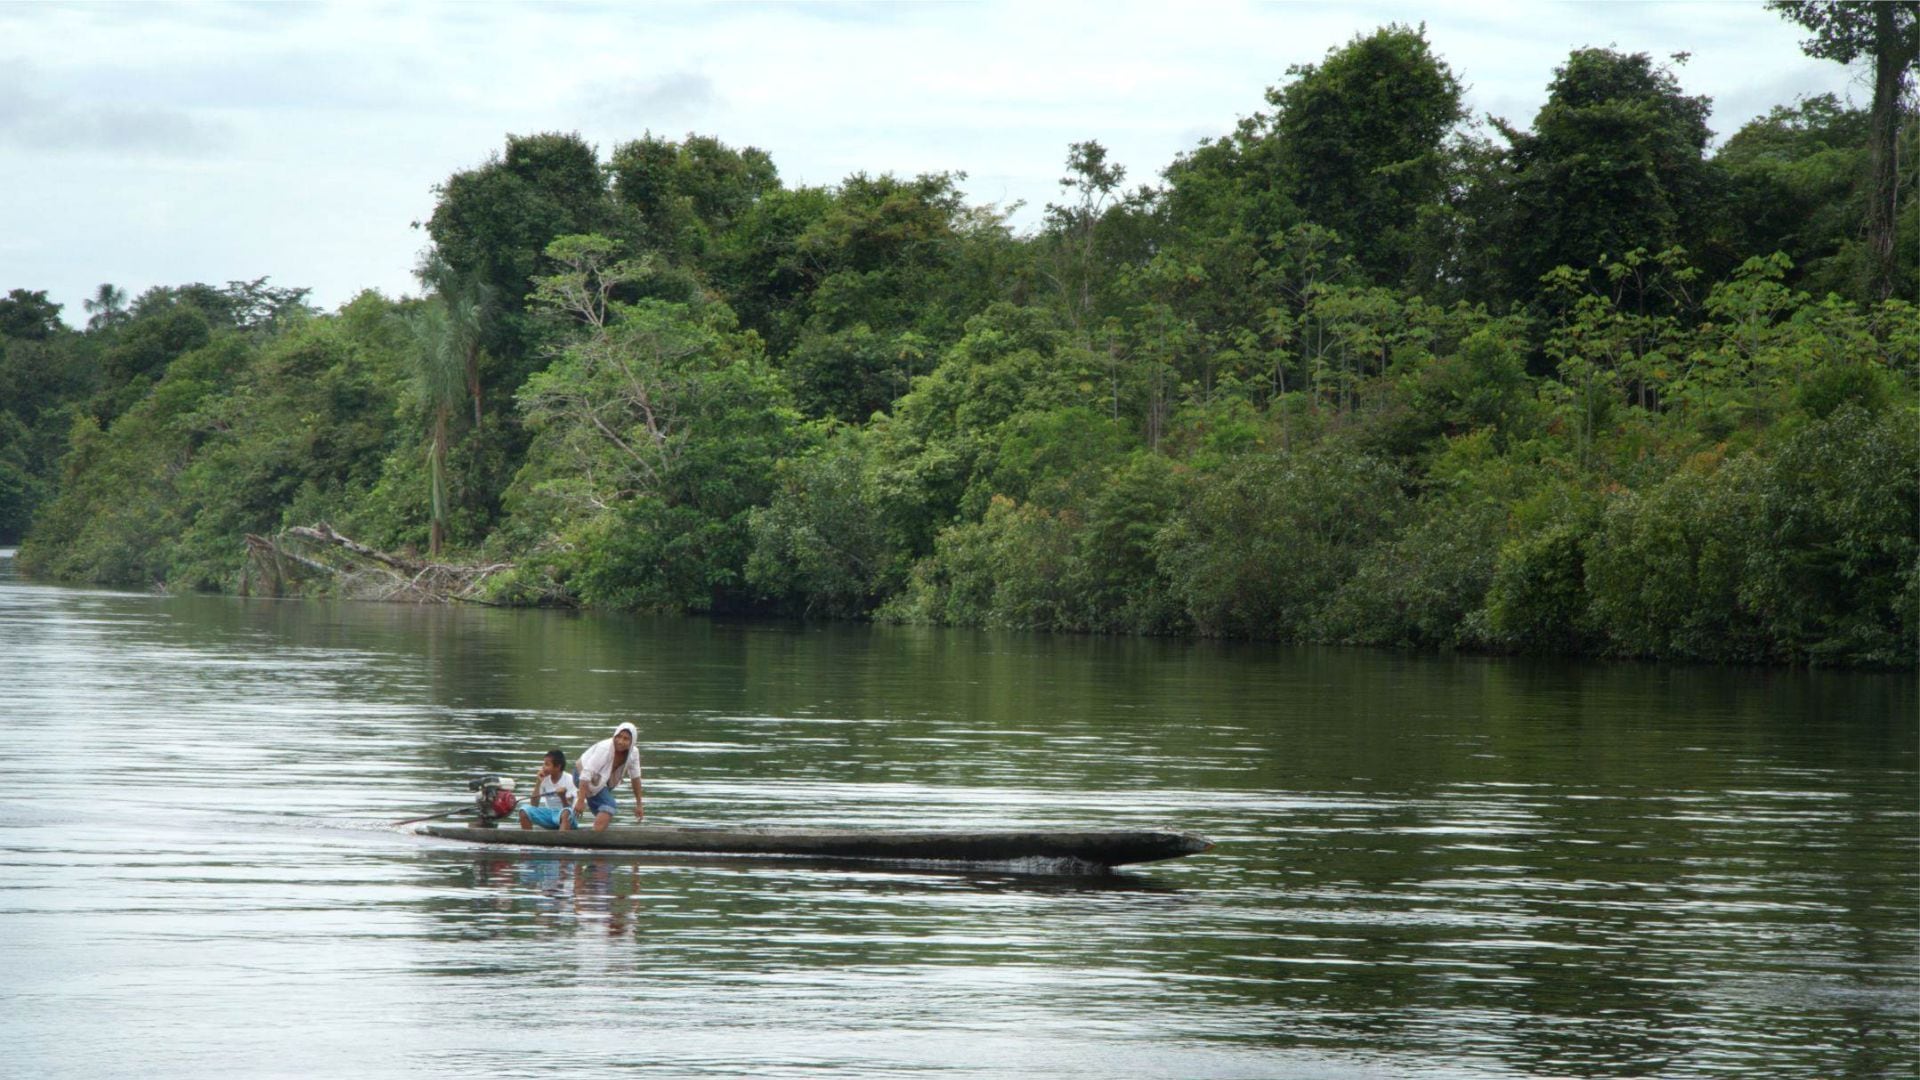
[639, 813]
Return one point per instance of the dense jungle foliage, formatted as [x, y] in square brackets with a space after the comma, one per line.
[1359, 371]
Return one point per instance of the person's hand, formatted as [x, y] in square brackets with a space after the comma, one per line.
[639, 814]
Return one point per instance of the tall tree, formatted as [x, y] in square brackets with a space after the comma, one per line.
[108, 307]
[1072, 229]
[1794, 183]
[492, 224]
[1361, 140]
[439, 368]
[29, 316]
[886, 258]
[1613, 163]
[1889, 32]
[469, 304]
[658, 427]
[687, 193]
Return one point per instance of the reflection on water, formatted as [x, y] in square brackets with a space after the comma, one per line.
[563, 893]
[1426, 866]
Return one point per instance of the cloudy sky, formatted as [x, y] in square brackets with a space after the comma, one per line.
[157, 144]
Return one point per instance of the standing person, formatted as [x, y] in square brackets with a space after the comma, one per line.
[605, 764]
[553, 791]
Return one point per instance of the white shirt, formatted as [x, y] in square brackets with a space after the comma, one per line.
[596, 767]
[554, 795]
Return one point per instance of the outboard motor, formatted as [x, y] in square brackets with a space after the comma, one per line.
[493, 795]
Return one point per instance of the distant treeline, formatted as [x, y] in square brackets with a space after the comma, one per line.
[1359, 371]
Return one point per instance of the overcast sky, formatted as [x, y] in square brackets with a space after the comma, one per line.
[161, 144]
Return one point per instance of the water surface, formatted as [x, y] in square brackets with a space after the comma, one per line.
[1427, 867]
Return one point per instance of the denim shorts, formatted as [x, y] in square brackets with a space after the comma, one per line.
[602, 802]
[546, 817]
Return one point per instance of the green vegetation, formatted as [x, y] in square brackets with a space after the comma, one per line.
[1356, 371]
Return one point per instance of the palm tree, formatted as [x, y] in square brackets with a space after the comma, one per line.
[439, 369]
[469, 302]
[108, 306]
[467, 311]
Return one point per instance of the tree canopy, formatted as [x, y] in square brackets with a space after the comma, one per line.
[1361, 369]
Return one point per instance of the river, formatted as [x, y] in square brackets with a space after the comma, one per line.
[1426, 866]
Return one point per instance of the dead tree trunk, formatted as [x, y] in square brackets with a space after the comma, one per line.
[358, 571]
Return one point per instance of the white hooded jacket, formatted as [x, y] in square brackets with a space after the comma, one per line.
[596, 765]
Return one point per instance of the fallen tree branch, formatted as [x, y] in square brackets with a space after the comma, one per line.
[323, 533]
[361, 572]
[259, 543]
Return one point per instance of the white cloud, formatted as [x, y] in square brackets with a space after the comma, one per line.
[33, 120]
[654, 104]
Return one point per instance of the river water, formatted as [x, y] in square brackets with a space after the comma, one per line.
[1427, 867]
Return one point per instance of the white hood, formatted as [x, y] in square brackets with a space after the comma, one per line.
[596, 765]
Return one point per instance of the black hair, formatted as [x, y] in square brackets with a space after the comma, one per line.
[558, 758]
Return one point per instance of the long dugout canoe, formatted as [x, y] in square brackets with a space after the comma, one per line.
[1099, 847]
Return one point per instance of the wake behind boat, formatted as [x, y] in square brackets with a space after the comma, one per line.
[1096, 847]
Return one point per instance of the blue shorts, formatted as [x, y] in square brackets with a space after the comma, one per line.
[601, 802]
[546, 817]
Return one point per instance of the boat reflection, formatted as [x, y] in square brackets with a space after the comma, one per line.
[555, 891]
[594, 884]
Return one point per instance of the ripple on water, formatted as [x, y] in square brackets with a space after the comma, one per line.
[1426, 867]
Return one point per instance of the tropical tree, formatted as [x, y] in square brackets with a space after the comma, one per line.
[1072, 231]
[108, 306]
[29, 316]
[439, 369]
[657, 427]
[1361, 139]
[1613, 162]
[687, 194]
[468, 305]
[1889, 32]
[493, 223]
[1794, 185]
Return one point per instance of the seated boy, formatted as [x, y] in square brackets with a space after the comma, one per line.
[551, 806]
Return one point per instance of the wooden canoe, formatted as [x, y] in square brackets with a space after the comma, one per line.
[1096, 847]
